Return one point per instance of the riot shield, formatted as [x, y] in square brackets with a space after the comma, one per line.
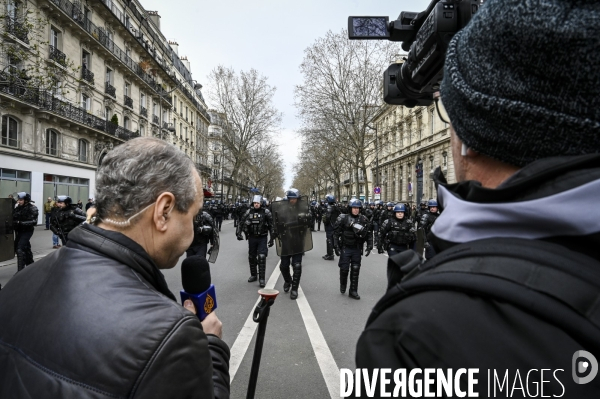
[7, 237]
[292, 226]
[214, 250]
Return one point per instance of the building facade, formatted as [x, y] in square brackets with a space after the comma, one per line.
[411, 143]
[78, 79]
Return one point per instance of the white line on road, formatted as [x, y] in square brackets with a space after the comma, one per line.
[329, 368]
[242, 342]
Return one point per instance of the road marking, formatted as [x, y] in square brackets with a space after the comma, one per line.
[329, 368]
[242, 342]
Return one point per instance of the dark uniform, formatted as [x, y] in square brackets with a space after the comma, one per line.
[63, 220]
[427, 221]
[329, 218]
[256, 224]
[350, 234]
[321, 209]
[397, 235]
[204, 233]
[24, 221]
[386, 213]
[217, 211]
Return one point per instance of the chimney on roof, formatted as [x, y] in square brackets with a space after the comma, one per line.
[175, 46]
[155, 18]
[186, 63]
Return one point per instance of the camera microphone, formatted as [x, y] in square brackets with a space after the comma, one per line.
[196, 282]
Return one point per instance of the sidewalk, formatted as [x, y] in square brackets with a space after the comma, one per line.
[41, 245]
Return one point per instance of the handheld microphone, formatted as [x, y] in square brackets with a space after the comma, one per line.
[195, 278]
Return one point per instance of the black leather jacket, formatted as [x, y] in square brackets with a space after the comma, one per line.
[96, 319]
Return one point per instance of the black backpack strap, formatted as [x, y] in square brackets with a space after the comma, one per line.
[531, 274]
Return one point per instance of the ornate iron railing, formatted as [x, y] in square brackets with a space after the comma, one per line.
[128, 102]
[143, 112]
[110, 90]
[17, 28]
[58, 56]
[86, 74]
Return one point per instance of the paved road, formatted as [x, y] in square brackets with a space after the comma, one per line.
[306, 341]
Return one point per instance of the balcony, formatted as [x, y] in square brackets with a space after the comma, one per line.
[110, 90]
[144, 112]
[128, 101]
[45, 101]
[58, 56]
[346, 182]
[17, 29]
[87, 75]
[155, 119]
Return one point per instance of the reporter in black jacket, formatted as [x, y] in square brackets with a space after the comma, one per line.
[96, 318]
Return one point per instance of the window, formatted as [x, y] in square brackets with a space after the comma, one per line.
[127, 89]
[107, 113]
[126, 122]
[12, 8]
[85, 59]
[175, 102]
[142, 100]
[431, 162]
[54, 37]
[186, 113]
[51, 142]
[85, 102]
[10, 132]
[142, 130]
[186, 133]
[154, 109]
[432, 120]
[445, 159]
[83, 150]
[109, 75]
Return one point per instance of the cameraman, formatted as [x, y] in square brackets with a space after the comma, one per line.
[96, 318]
[521, 88]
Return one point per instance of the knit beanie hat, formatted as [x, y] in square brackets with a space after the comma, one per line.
[522, 80]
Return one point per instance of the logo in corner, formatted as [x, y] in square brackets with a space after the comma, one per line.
[209, 304]
[584, 363]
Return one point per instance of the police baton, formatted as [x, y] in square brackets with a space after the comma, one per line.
[260, 316]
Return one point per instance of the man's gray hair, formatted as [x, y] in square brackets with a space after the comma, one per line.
[135, 173]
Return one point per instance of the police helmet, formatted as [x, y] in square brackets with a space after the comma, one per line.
[371, 203]
[354, 203]
[400, 208]
[313, 203]
[292, 193]
[23, 196]
[257, 198]
[330, 199]
[64, 198]
[389, 204]
[431, 203]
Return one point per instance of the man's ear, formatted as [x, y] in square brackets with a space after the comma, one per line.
[164, 205]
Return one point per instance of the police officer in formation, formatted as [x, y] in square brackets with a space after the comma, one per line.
[427, 221]
[295, 260]
[397, 234]
[204, 233]
[256, 224]
[314, 211]
[351, 231]
[240, 211]
[331, 214]
[321, 209]
[217, 211]
[386, 213]
[25, 217]
[421, 212]
[65, 217]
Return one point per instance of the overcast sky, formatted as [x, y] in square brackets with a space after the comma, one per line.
[268, 35]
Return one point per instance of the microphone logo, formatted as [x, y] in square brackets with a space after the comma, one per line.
[209, 304]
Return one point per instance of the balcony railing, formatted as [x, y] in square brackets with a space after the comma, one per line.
[143, 112]
[87, 75]
[128, 101]
[155, 119]
[45, 100]
[17, 29]
[110, 90]
[58, 56]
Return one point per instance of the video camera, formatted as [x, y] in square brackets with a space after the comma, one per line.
[425, 36]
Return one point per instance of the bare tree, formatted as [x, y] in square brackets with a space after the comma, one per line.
[246, 99]
[269, 168]
[341, 92]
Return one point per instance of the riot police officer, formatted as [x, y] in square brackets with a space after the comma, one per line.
[25, 217]
[256, 224]
[296, 217]
[386, 213]
[351, 232]
[329, 218]
[321, 209]
[421, 212]
[65, 217]
[397, 234]
[427, 221]
[313, 215]
[204, 233]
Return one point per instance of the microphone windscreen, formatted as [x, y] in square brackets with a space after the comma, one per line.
[195, 274]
